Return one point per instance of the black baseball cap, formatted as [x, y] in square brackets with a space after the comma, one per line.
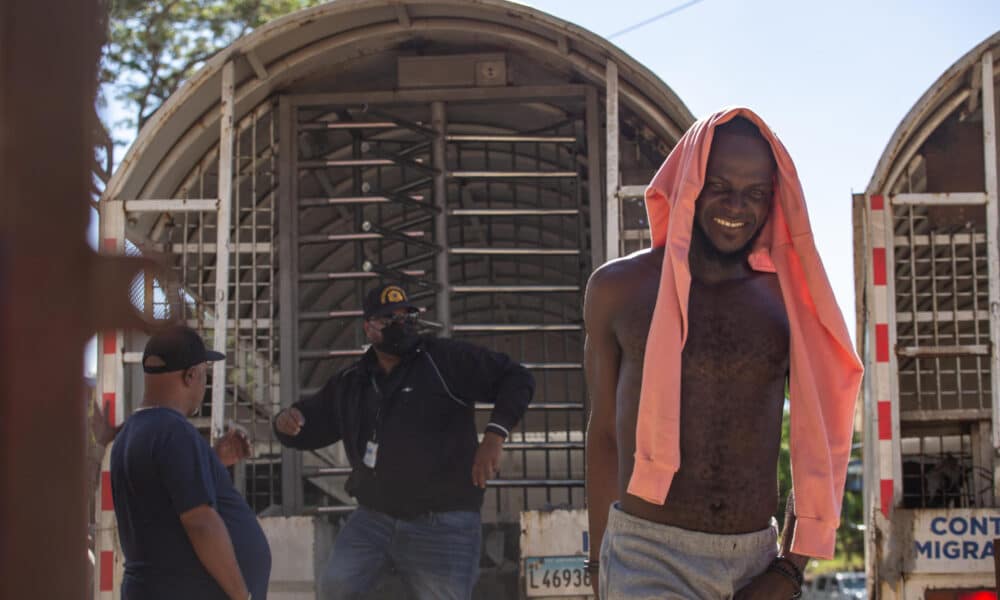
[178, 347]
[385, 299]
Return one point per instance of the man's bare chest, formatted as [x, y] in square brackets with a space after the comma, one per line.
[730, 326]
[737, 331]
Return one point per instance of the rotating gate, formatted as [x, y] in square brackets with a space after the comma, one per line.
[484, 222]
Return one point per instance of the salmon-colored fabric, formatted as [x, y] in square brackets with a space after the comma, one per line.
[825, 372]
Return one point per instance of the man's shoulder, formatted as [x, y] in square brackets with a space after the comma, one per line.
[633, 268]
[620, 278]
[176, 428]
[158, 419]
[453, 352]
[352, 370]
[157, 429]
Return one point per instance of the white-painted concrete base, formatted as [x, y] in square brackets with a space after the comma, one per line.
[299, 549]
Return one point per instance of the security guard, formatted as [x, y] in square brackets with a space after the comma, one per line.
[405, 412]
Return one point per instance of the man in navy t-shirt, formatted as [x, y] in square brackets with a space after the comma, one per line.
[185, 530]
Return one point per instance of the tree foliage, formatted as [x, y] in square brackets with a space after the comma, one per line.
[154, 45]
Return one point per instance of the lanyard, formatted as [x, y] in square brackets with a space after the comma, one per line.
[383, 407]
[378, 409]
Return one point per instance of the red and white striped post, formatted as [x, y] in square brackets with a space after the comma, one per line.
[110, 389]
[880, 241]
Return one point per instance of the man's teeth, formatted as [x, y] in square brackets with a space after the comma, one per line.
[729, 224]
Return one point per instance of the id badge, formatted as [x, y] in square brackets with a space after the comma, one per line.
[371, 454]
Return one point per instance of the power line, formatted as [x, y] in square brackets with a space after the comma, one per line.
[673, 10]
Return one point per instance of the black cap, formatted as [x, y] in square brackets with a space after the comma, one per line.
[178, 348]
[385, 299]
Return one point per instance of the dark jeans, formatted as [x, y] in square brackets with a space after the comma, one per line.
[437, 556]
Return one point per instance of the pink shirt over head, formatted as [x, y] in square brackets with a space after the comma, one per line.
[825, 372]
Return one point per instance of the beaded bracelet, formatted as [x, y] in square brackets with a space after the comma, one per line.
[591, 565]
[788, 568]
[795, 576]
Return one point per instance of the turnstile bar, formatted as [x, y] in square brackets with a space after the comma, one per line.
[322, 238]
[350, 275]
[517, 251]
[552, 139]
[513, 174]
[513, 289]
[484, 327]
[513, 212]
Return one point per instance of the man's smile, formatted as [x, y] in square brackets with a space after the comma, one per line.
[729, 224]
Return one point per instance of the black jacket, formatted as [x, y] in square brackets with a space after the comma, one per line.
[426, 431]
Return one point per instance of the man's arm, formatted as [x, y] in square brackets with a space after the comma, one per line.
[214, 548]
[480, 374]
[311, 423]
[788, 533]
[477, 374]
[515, 387]
[185, 466]
[601, 357]
[486, 462]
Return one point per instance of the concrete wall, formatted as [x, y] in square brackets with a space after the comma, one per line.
[299, 549]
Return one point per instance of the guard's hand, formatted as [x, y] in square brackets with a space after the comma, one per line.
[767, 586]
[290, 421]
[233, 447]
[487, 462]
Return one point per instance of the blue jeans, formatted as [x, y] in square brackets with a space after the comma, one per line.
[436, 556]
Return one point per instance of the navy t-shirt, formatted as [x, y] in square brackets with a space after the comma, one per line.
[162, 467]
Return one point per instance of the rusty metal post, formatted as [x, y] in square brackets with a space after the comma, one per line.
[612, 235]
[992, 233]
[223, 221]
[996, 566]
[439, 149]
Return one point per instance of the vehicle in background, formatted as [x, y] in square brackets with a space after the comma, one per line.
[836, 586]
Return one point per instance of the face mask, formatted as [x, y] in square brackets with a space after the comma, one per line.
[398, 339]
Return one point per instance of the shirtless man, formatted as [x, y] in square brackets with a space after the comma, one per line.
[714, 536]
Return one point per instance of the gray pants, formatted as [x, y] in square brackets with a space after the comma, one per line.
[644, 560]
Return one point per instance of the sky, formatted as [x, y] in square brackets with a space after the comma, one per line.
[833, 80]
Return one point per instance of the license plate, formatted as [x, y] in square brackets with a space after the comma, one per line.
[547, 576]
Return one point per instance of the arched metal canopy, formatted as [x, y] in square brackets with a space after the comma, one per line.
[352, 49]
[350, 152]
[302, 50]
[956, 92]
